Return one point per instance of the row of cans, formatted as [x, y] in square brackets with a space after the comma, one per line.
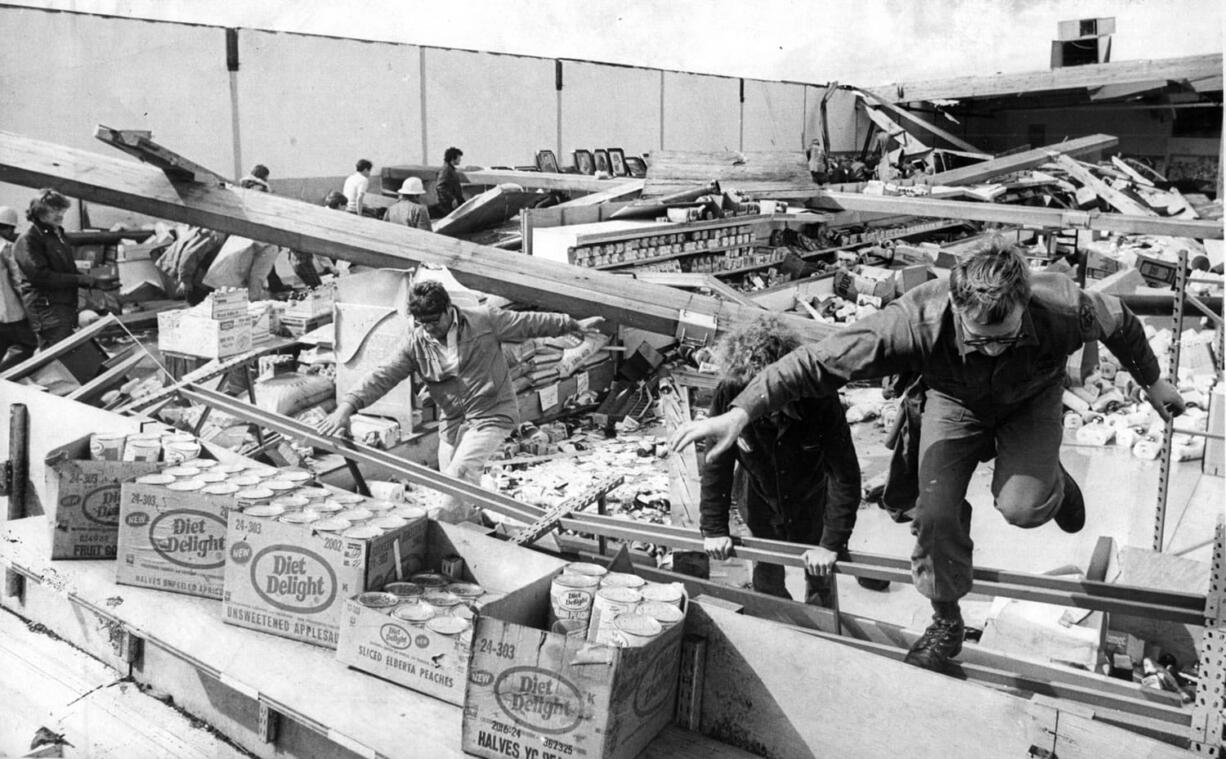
[171, 447]
[614, 608]
[430, 600]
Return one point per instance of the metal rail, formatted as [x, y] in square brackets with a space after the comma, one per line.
[1142, 602]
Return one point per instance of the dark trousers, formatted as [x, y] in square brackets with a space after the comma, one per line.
[18, 337]
[769, 578]
[51, 322]
[1027, 482]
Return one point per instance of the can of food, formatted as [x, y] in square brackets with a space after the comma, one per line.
[232, 469]
[440, 598]
[571, 628]
[430, 580]
[388, 523]
[634, 630]
[220, 488]
[263, 472]
[298, 517]
[664, 592]
[181, 472]
[408, 512]
[622, 580]
[325, 507]
[452, 565]
[202, 464]
[245, 480]
[607, 605]
[416, 614]
[666, 614]
[139, 448]
[585, 568]
[209, 475]
[357, 515]
[362, 532]
[315, 494]
[570, 596]
[186, 486]
[464, 611]
[405, 591]
[106, 446]
[349, 499]
[292, 502]
[466, 591]
[296, 476]
[248, 497]
[157, 478]
[178, 451]
[331, 524]
[278, 485]
[378, 600]
[264, 510]
[448, 625]
[379, 508]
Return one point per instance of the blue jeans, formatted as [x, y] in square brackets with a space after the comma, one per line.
[1027, 484]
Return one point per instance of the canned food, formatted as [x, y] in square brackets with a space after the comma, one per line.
[331, 524]
[585, 568]
[570, 596]
[463, 611]
[157, 478]
[278, 485]
[622, 580]
[265, 510]
[666, 614]
[635, 630]
[378, 600]
[448, 625]
[571, 628]
[440, 598]
[230, 468]
[664, 592]
[291, 502]
[209, 475]
[313, 493]
[414, 613]
[142, 449]
[348, 499]
[107, 446]
[201, 464]
[296, 476]
[245, 480]
[408, 512]
[430, 580]
[181, 450]
[466, 591]
[188, 485]
[298, 517]
[220, 488]
[181, 472]
[379, 507]
[356, 515]
[253, 497]
[362, 532]
[404, 590]
[607, 605]
[325, 507]
[263, 472]
[388, 523]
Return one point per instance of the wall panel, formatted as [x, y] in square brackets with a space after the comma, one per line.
[701, 112]
[609, 106]
[774, 115]
[312, 106]
[498, 109]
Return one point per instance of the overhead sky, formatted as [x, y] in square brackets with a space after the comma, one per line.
[863, 42]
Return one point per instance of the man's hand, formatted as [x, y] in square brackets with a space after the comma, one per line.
[336, 422]
[724, 429]
[820, 561]
[590, 324]
[1165, 399]
[718, 548]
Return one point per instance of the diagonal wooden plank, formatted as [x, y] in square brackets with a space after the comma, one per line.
[311, 229]
[139, 144]
[1028, 159]
[923, 123]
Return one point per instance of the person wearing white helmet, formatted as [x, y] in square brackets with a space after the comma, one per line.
[409, 210]
[15, 333]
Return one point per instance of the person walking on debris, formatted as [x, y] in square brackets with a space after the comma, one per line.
[15, 332]
[409, 211]
[804, 478]
[457, 352]
[49, 276]
[449, 189]
[257, 179]
[991, 345]
[356, 185]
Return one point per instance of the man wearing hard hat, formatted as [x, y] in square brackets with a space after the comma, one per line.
[409, 210]
[15, 332]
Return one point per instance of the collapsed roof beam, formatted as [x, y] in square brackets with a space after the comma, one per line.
[314, 229]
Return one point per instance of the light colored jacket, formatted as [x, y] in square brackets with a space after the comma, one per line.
[11, 308]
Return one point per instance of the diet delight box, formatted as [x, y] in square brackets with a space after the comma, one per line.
[428, 658]
[172, 540]
[535, 693]
[289, 580]
[86, 494]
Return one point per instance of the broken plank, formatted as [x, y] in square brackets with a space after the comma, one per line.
[922, 123]
[539, 180]
[619, 191]
[1118, 200]
[322, 231]
[139, 144]
[1028, 159]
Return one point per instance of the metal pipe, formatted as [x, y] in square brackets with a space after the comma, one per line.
[19, 471]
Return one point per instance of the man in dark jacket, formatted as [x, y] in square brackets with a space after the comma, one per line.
[449, 187]
[800, 463]
[991, 345]
[49, 272]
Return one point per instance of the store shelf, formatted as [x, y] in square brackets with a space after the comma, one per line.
[654, 259]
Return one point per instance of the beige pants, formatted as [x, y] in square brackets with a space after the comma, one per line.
[465, 459]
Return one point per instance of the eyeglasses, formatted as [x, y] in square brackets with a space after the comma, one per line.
[428, 319]
[1003, 341]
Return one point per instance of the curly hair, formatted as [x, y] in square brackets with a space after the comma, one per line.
[744, 352]
[46, 200]
[991, 282]
[429, 297]
[450, 154]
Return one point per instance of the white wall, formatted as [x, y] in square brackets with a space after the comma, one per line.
[609, 107]
[701, 112]
[774, 116]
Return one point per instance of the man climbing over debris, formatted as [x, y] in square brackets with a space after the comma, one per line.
[991, 345]
[458, 354]
[803, 475]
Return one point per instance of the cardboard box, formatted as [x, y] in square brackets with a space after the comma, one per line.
[419, 658]
[182, 332]
[375, 431]
[317, 302]
[287, 580]
[172, 540]
[369, 326]
[536, 693]
[871, 281]
[223, 305]
[86, 498]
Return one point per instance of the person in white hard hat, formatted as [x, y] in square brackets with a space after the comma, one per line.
[409, 210]
[17, 340]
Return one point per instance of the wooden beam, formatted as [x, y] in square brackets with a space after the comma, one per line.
[108, 379]
[1118, 200]
[1029, 216]
[619, 191]
[542, 180]
[67, 345]
[1071, 77]
[982, 172]
[139, 143]
[315, 229]
[922, 123]
[909, 142]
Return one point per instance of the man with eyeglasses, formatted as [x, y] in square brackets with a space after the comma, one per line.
[991, 345]
[457, 352]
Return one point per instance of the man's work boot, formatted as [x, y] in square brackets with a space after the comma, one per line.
[940, 642]
[1071, 516]
[872, 584]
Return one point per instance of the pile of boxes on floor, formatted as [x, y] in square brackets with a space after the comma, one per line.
[226, 324]
[538, 363]
[580, 660]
